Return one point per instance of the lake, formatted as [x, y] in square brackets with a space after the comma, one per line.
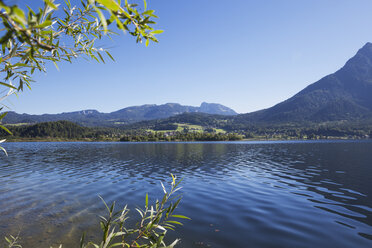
[238, 194]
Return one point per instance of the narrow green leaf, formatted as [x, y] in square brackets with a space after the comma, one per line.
[116, 245]
[102, 18]
[108, 209]
[18, 15]
[165, 192]
[82, 240]
[47, 23]
[3, 149]
[148, 12]
[110, 4]
[157, 31]
[108, 54]
[169, 227]
[181, 216]
[3, 115]
[8, 85]
[119, 23]
[50, 3]
[140, 212]
[112, 207]
[100, 56]
[55, 64]
[174, 222]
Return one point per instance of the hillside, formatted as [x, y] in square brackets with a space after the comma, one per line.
[123, 116]
[343, 95]
[59, 129]
[201, 119]
[340, 100]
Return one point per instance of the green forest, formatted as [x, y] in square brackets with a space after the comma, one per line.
[204, 131]
[64, 130]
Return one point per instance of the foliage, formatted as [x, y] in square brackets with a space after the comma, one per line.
[201, 119]
[149, 232]
[179, 136]
[166, 126]
[327, 130]
[356, 129]
[13, 241]
[34, 38]
[31, 39]
[59, 129]
[66, 130]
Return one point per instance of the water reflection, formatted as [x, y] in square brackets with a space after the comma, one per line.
[278, 194]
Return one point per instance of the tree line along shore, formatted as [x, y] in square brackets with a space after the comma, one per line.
[69, 131]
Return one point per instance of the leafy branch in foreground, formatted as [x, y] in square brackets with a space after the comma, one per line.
[150, 230]
[13, 242]
[31, 39]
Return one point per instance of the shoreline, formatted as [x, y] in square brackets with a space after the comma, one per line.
[174, 141]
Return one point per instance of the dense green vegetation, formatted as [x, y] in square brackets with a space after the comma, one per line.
[181, 136]
[303, 130]
[321, 131]
[200, 119]
[64, 130]
[163, 131]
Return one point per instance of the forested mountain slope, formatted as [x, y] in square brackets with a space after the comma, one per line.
[343, 95]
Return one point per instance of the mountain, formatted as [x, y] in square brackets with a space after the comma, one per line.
[151, 111]
[84, 117]
[122, 116]
[343, 95]
[215, 109]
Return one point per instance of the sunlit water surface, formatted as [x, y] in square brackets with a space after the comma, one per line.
[242, 194]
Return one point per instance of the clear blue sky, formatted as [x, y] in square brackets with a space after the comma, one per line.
[245, 54]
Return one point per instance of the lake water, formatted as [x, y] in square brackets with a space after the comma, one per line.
[238, 194]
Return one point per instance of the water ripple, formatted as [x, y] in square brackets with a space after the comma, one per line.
[256, 194]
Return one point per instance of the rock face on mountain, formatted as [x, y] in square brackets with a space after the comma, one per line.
[343, 95]
[215, 108]
[122, 116]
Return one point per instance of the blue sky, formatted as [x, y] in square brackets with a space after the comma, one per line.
[245, 54]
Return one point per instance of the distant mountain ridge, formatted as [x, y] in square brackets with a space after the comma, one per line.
[343, 95]
[123, 116]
